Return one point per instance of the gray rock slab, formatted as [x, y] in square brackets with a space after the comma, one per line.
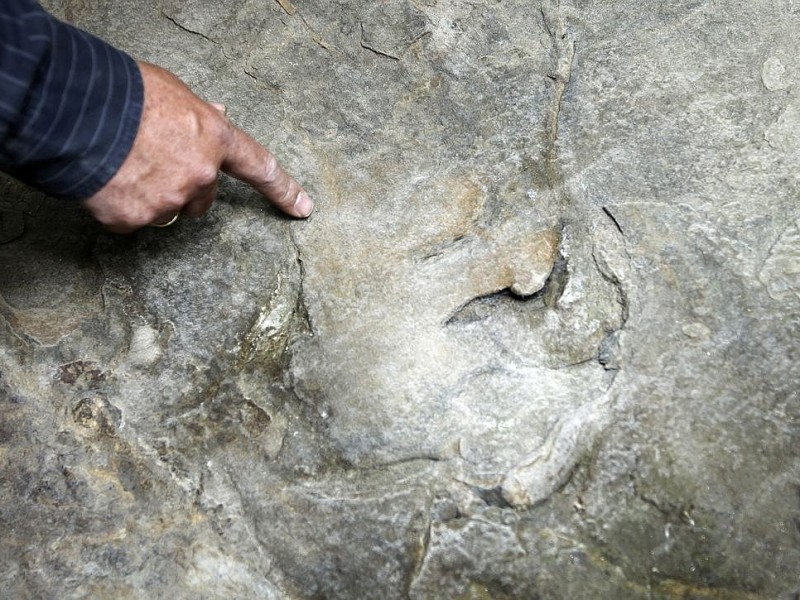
[539, 339]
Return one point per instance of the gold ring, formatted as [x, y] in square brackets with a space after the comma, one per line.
[168, 223]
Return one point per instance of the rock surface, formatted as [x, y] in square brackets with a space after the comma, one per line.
[539, 340]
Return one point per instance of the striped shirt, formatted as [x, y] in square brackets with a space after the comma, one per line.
[70, 104]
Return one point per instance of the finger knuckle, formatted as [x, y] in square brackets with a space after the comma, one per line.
[272, 169]
[205, 174]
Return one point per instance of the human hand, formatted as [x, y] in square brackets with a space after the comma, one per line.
[181, 145]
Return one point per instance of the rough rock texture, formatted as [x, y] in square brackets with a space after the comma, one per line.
[539, 340]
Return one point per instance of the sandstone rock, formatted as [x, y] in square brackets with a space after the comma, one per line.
[538, 340]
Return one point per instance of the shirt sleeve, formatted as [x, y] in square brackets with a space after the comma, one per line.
[70, 104]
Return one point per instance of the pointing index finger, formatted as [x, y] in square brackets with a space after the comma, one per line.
[250, 162]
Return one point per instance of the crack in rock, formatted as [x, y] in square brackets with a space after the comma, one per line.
[182, 27]
[563, 52]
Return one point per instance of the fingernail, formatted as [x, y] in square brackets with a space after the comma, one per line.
[303, 205]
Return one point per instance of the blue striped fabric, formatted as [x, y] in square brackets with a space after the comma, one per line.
[70, 104]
